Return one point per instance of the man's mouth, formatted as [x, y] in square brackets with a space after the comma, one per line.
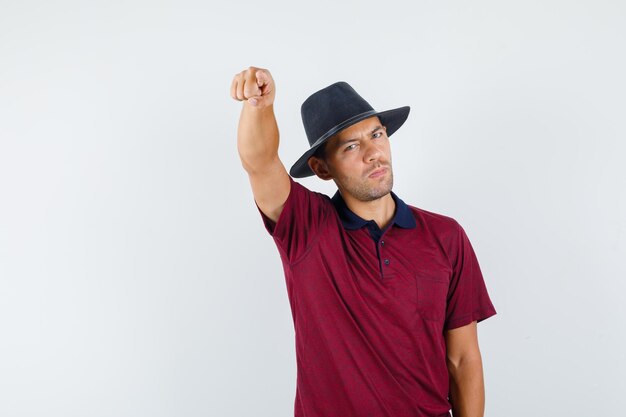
[378, 172]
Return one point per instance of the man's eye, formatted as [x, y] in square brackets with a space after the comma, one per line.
[350, 147]
[378, 133]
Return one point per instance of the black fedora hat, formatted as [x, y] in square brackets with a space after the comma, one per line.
[332, 109]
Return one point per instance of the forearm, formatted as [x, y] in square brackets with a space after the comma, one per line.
[467, 388]
[257, 136]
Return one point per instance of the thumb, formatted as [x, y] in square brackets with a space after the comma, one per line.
[259, 101]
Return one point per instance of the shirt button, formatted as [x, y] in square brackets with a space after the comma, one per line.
[382, 243]
[386, 261]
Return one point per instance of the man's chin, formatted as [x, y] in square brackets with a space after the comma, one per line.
[379, 192]
[366, 191]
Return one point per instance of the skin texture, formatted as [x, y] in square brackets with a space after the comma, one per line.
[351, 157]
[257, 140]
[467, 388]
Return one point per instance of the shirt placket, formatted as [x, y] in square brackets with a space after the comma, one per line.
[381, 252]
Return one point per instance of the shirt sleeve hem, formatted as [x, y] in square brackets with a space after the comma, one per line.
[476, 316]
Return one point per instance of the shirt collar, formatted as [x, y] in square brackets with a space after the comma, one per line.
[403, 216]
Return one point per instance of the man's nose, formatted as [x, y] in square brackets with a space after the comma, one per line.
[372, 152]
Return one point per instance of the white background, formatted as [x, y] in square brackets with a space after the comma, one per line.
[136, 278]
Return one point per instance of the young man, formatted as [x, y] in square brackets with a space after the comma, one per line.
[385, 297]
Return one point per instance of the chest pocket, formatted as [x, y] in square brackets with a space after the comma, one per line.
[431, 297]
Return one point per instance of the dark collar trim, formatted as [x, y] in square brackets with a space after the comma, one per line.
[403, 216]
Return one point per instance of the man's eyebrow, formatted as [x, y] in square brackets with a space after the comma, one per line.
[343, 142]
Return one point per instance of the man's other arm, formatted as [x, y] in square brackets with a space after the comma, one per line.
[257, 140]
[467, 388]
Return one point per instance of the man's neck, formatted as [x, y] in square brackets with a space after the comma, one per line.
[381, 210]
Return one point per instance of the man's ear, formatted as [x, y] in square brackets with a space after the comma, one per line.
[320, 168]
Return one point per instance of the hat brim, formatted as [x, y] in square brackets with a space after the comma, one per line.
[391, 119]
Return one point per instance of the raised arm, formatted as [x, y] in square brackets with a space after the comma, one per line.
[257, 140]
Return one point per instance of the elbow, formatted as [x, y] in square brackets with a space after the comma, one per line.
[258, 164]
[461, 364]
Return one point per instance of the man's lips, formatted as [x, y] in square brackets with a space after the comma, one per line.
[377, 173]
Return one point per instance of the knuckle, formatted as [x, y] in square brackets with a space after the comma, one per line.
[248, 92]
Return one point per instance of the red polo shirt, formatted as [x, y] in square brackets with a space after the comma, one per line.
[370, 306]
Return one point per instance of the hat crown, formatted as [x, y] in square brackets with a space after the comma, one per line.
[330, 107]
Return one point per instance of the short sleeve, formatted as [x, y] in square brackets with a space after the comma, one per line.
[303, 216]
[468, 299]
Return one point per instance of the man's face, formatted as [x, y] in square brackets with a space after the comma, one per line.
[358, 159]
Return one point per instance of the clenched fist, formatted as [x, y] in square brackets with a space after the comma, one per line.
[254, 85]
